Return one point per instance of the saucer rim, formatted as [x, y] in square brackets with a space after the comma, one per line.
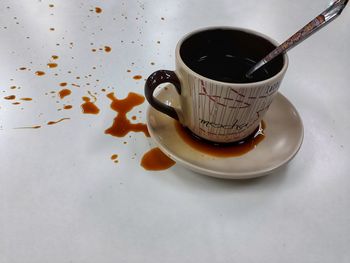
[227, 175]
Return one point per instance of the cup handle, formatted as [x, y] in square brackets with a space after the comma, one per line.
[153, 81]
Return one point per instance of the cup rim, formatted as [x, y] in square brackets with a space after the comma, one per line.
[222, 83]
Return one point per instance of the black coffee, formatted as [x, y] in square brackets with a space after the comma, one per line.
[227, 54]
[227, 68]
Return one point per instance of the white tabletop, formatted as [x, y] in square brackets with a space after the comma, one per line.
[62, 199]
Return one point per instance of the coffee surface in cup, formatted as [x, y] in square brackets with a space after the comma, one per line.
[226, 55]
[227, 68]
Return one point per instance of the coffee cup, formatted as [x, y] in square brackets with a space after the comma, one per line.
[218, 103]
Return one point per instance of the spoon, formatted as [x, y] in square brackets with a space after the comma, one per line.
[317, 23]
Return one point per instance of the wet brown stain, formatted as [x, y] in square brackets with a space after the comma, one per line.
[55, 122]
[98, 10]
[107, 49]
[222, 150]
[67, 107]
[39, 73]
[28, 127]
[64, 93]
[156, 160]
[52, 65]
[89, 107]
[26, 99]
[11, 97]
[121, 124]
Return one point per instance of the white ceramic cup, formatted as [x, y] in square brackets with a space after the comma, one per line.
[212, 109]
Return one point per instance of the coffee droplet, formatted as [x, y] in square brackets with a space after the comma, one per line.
[156, 160]
[39, 73]
[11, 97]
[64, 93]
[114, 156]
[137, 77]
[98, 10]
[67, 107]
[63, 84]
[108, 49]
[52, 65]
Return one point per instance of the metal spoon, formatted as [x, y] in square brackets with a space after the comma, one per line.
[317, 23]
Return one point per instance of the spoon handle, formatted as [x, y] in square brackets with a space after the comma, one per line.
[317, 23]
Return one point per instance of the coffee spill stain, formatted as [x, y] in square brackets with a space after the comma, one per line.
[26, 99]
[121, 124]
[67, 107]
[107, 49]
[221, 150]
[11, 97]
[39, 73]
[114, 156]
[55, 122]
[52, 65]
[98, 10]
[156, 160]
[28, 127]
[137, 77]
[63, 84]
[64, 93]
[89, 107]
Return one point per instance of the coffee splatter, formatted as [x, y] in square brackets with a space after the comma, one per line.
[39, 73]
[67, 107]
[55, 122]
[89, 107]
[114, 156]
[11, 97]
[28, 127]
[64, 93]
[52, 65]
[107, 49]
[63, 84]
[98, 10]
[121, 125]
[137, 77]
[26, 99]
[156, 160]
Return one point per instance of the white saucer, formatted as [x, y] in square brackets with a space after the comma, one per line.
[284, 136]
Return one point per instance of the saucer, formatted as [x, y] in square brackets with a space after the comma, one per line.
[284, 136]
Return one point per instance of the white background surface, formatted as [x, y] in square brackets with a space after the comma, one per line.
[63, 200]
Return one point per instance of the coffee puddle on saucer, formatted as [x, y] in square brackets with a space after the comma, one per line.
[229, 150]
